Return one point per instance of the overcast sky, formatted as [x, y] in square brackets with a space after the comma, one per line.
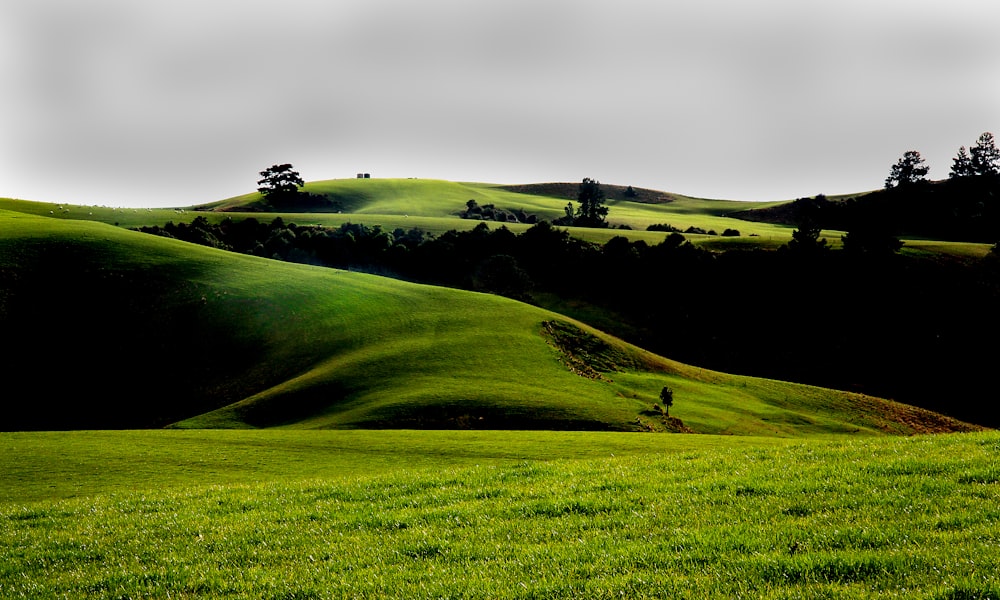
[180, 102]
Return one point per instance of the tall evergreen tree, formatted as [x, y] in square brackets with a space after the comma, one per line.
[908, 170]
[984, 156]
[961, 165]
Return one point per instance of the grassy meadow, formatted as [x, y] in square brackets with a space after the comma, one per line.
[312, 433]
[338, 514]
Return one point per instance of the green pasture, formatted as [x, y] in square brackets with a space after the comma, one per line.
[42, 466]
[122, 216]
[418, 197]
[278, 514]
[297, 470]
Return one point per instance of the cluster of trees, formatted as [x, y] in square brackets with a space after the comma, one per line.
[728, 232]
[489, 212]
[981, 160]
[591, 212]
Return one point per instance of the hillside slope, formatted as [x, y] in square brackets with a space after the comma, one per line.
[107, 328]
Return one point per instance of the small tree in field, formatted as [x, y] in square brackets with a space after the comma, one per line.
[667, 398]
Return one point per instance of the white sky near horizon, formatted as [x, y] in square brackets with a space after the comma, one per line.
[182, 102]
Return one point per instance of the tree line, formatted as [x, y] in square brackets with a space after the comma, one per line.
[981, 160]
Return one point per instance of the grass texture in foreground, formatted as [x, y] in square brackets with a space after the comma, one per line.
[873, 518]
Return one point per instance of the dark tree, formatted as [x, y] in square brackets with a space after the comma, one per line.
[667, 398]
[961, 165]
[279, 183]
[591, 212]
[629, 192]
[500, 274]
[568, 217]
[872, 241]
[908, 170]
[806, 241]
[984, 156]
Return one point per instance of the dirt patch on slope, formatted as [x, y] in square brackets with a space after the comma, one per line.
[584, 353]
[902, 418]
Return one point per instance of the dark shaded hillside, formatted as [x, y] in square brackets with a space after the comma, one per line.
[962, 209]
[96, 339]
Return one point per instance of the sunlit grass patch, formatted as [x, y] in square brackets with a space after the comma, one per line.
[710, 521]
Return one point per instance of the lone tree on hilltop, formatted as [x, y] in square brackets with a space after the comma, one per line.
[279, 183]
[591, 212]
[908, 170]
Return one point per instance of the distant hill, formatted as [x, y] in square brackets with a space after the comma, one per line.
[107, 328]
[424, 197]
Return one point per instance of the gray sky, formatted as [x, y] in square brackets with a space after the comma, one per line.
[180, 102]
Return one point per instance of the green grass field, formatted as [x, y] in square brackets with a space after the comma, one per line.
[317, 484]
[307, 514]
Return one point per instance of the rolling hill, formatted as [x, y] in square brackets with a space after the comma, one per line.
[434, 206]
[391, 201]
[108, 328]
